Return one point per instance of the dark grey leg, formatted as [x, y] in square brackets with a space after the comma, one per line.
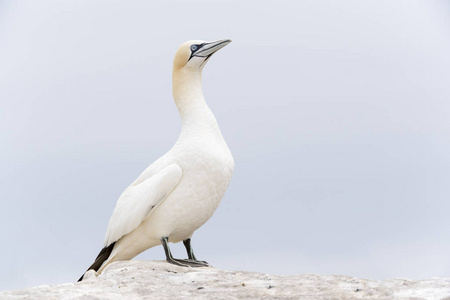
[190, 253]
[179, 262]
[169, 257]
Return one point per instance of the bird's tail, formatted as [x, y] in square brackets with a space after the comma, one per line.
[101, 257]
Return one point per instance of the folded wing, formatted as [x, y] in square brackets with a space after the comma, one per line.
[138, 201]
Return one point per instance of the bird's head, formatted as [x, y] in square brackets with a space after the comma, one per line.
[193, 55]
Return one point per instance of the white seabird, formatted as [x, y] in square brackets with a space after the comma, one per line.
[180, 191]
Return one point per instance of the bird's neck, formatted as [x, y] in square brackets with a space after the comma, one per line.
[189, 99]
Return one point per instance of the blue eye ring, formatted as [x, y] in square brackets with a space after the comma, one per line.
[194, 47]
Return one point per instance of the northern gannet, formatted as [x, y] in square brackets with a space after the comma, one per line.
[180, 191]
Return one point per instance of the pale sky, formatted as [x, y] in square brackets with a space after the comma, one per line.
[337, 114]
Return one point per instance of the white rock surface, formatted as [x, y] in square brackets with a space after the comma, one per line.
[160, 280]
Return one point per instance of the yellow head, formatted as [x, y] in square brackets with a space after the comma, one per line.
[193, 55]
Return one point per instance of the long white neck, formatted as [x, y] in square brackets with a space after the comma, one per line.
[188, 96]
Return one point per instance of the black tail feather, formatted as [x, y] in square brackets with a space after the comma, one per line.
[101, 257]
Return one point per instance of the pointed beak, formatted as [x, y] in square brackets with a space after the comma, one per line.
[210, 48]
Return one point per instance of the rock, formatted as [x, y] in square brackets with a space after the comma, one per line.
[160, 280]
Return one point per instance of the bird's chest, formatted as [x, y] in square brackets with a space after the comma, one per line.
[208, 170]
[206, 175]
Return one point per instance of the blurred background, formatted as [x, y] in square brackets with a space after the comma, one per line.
[337, 114]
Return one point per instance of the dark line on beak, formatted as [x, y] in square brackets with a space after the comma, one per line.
[206, 59]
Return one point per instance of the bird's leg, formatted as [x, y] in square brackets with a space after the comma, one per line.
[169, 257]
[189, 250]
[178, 262]
[190, 253]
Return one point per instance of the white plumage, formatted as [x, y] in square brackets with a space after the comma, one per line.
[139, 200]
[180, 191]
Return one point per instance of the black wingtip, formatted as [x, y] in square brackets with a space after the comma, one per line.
[101, 257]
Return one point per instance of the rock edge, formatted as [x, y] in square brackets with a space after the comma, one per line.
[160, 280]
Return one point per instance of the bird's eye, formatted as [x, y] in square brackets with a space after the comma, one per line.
[194, 47]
